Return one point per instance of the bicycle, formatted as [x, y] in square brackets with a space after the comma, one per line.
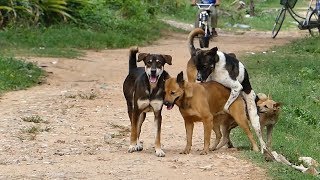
[203, 23]
[310, 21]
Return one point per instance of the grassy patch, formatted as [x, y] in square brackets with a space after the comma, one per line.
[68, 40]
[291, 76]
[34, 119]
[17, 74]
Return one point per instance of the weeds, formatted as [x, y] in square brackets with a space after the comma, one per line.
[83, 95]
[34, 119]
[32, 131]
[17, 74]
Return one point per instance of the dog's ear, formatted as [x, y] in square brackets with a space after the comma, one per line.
[187, 88]
[142, 56]
[180, 79]
[168, 59]
[278, 104]
[214, 50]
[262, 96]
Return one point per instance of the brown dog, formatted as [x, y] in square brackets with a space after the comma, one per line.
[269, 111]
[199, 102]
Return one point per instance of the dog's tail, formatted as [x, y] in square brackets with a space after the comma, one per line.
[133, 57]
[191, 36]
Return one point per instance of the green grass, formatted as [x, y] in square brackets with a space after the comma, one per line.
[291, 75]
[68, 40]
[17, 74]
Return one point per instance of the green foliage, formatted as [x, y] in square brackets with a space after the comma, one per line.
[17, 74]
[99, 24]
[32, 12]
[290, 75]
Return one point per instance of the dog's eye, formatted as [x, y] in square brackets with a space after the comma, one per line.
[172, 93]
[265, 106]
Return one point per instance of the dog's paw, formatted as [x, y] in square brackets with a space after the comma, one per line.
[160, 153]
[256, 149]
[185, 151]
[204, 152]
[138, 147]
[131, 149]
[212, 149]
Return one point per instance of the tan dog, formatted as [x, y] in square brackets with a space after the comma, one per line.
[269, 111]
[199, 102]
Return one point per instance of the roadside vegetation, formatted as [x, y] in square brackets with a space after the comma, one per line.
[17, 74]
[290, 74]
[63, 28]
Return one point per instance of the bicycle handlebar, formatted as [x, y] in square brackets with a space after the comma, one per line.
[204, 6]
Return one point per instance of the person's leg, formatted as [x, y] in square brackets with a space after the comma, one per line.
[214, 20]
[196, 22]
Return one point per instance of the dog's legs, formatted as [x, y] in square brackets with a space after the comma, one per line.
[207, 126]
[237, 111]
[142, 117]
[134, 129]
[157, 123]
[189, 131]
[217, 131]
[253, 115]
[269, 135]
[230, 145]
[225, 137]
[233, 125]
[236, 88]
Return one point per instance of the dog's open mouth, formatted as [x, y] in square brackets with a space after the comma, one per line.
[169, 106]
[153, 78]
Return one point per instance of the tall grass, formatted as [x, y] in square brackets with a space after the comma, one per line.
[290, 74]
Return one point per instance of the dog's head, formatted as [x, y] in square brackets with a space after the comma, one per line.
[267, 105]
[175, 89]
[205, 61]
[154, 64]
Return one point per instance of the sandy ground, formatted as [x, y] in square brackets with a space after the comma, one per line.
[85, 129]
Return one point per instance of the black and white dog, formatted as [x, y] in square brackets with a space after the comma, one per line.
[214, 65]
[143, 89]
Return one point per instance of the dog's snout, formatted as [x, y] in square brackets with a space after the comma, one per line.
[166, 103]
[153, 71]
[199, 77]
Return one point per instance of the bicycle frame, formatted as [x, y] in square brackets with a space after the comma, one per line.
[204, 18]
[310, 21]
[302, 21]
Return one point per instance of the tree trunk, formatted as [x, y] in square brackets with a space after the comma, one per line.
[251, 8]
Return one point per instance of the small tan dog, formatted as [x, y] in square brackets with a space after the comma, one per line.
[269, 111]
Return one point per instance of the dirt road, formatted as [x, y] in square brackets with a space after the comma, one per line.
[84, 129]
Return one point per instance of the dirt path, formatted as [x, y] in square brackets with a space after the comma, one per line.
[85, 130]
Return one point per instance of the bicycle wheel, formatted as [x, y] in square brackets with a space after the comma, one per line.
[313, 23]
[279, 20]
[204, 41]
